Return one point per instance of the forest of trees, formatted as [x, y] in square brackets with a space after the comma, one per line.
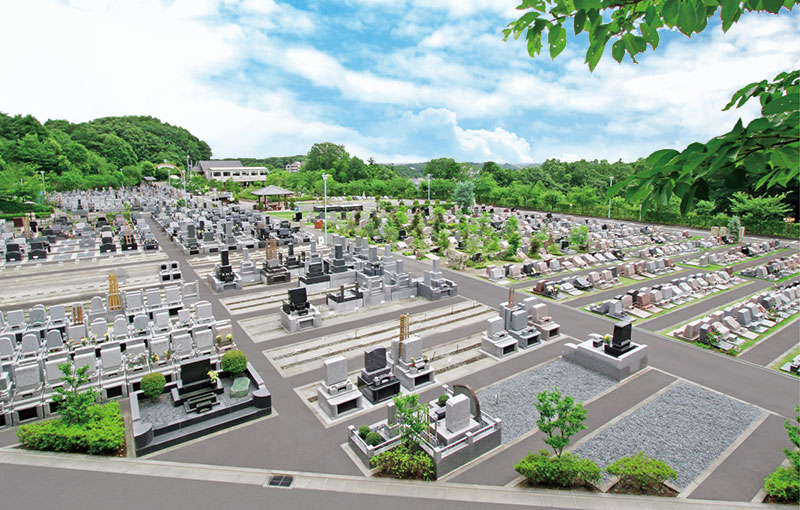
[120, 151]
[105, 152]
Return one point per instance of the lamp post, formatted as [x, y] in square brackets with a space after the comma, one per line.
[325, 191]
[43, 185]
[429, 188]
[610, 184]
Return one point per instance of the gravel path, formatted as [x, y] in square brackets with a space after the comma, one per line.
[512, 400]
[687, 427]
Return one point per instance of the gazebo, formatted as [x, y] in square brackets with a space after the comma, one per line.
[273, 191]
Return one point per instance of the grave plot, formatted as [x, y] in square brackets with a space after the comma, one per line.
[777, 271]
[309, 355]
[71, 284]
[788, 363]
[512, 399]
[268, 327]
[69, 260]
[260, 301]
[735, 255]
[644, 304]
[451, 362]
[686, 426]
[738, 326]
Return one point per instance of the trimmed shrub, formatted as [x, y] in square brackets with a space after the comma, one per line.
[373, 438]
[641, 471]
[234, 362]
[102, 434]
[784, 484]
[565, 471]
[363, 430]
[153, 385]
[443, 398]
[400, 462]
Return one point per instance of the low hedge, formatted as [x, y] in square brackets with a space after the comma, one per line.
[102, 434]
[543, 468]
[400, 462]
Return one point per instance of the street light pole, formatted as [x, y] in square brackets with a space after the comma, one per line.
[429, 188]
[611, 183]
[43, 185]
[325, 191]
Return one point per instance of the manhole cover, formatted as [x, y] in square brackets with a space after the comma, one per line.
[280, 481]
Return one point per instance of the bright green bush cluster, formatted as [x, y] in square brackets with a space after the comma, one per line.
[784, 483]
[363, 430]
[234, 362]
[400, 462]
[565, 471]
[153, 385]
[103, 433]
[641, 471]
[373, 438]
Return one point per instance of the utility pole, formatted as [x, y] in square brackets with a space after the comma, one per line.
[610, 184]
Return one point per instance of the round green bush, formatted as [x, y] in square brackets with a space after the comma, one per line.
[443, 398]
[544, 469]
[234, 362]
[784, 484]
[373, 438]
[641, 471]
[153, 384]
[363, 430]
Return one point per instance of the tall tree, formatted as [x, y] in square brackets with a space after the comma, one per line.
[323, 156]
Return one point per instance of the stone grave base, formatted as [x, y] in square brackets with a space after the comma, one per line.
[594, 358]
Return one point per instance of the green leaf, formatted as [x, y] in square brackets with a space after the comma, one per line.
[757, 125]
[618, 50]
[688, 201]
[730, 9]
[661, 157]
[755, 162]
[670, 12]
[773, 6]
[526, 20]
[782, 104]
[650, 34]
[594, 53]
[686, 17]
[579, 20]
[557, 37]
[702, 189]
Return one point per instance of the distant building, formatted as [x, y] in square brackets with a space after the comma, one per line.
[294, 167]
[231, 170]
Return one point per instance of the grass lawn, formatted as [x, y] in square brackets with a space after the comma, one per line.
[788, 277]
[284, 215]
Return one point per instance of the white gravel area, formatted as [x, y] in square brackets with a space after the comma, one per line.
[687, 427]
[512, 400]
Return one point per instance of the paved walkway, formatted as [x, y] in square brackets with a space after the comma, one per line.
[148, 483]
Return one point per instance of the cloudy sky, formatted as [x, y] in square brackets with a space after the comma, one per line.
[398, 80]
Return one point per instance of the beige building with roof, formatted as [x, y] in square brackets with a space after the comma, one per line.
[231, 170]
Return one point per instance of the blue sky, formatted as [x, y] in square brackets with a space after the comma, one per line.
[397, 80]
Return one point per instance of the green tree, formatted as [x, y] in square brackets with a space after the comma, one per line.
[559, 418]
[733, 229]
[643, 472]
[412, 417]
[552, 199]
[632, 24]
[323, 156]
[73, 404]
[579, 237]
[464, 194]
[584, 198]
[444, 168]
[443, 241]
[760, 214]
